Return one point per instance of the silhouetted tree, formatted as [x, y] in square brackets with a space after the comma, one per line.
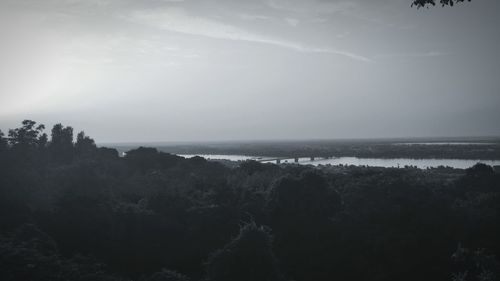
[43, 141]
[61, 144]
[479, 170]
[26, 142]
[479, 178]
[151, 209]
[3, 142]
[248, 257]
[27, 136]
[106, 153]
[84, 145]
[146, 158]
[425, 3]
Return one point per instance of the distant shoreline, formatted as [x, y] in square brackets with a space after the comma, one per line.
[478, 149]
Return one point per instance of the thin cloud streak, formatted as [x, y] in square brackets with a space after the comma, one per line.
[177, 20]
[430, 54]
[317, 7]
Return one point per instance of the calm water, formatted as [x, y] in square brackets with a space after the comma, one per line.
[374, 162]
[221, 157]
[445, 143]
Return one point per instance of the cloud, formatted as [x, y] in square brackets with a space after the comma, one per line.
[83, 61]
[177, 20]
[312, 6]
[292, 22]
[249, 17]
[429, 54]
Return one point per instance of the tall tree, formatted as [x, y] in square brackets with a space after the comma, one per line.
[84, 145]
[27, 136]
[3, 142]
[26, 142]
[61, 144]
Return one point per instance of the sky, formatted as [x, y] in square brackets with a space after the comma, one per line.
[207, 70]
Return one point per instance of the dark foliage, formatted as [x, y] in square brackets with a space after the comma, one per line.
[74, 211]
[475, 265]
[30, 254]
[247, 257]
[3, 142]
[61, 145]
[425, 3]
[166, 275]
[84, 146]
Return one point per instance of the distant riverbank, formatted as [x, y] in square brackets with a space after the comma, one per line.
[468, 150]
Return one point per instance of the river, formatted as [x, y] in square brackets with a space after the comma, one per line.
[373, 162]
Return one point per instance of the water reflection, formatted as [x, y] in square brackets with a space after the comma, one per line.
[373, 162]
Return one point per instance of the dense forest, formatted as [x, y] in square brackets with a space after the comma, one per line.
[70, 210]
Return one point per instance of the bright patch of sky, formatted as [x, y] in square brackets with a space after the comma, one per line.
[154, 70]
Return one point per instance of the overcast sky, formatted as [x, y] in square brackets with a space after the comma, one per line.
[196, 70]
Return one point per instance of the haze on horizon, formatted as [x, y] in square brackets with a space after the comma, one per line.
[202, 70]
